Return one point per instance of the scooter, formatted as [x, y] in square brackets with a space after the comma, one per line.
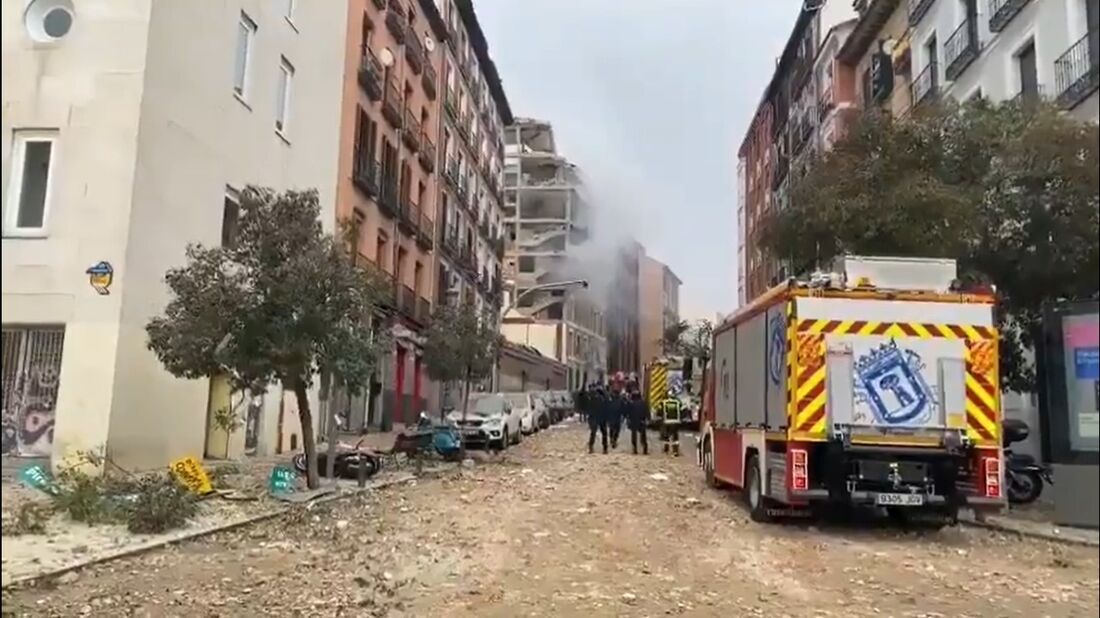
[348, 460]
[1023, 474]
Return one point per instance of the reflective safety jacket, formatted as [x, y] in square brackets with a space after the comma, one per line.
[670, 411]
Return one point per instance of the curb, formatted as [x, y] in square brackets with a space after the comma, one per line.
[231, 525]
[1043, 536]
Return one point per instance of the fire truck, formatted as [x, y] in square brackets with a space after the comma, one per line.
[683, 377]
[875, 384]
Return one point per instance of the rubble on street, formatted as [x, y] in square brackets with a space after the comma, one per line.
[549, 530]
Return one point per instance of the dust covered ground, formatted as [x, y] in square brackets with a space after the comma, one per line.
[553, 531]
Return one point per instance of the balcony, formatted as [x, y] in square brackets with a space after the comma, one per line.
[384, 277]
[1002, 11]
[428, 79]
[391, 104]
[365, 173]
[498, 247]
[410, 133]
[451, 245]
[918, 9]
[462, 193]
[826, 101]
[803, 130]
[427, 153]
[406, 301]
[483, 283]
[425, 233]
[961, 49]
[463, 127]
[409, 217]
[370, 74]
[423, 310]
[396, 21]
[450, 104]
[1077, 72]
[414, 51]
[450, 174]
[1030, 97]
[388, 200]
[926, 85]
[483, 227]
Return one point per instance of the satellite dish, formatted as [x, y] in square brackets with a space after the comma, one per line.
[888, 46]
[386, 57]
[429, 43]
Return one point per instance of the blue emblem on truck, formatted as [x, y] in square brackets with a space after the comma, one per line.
[777, 348]
[888, 379]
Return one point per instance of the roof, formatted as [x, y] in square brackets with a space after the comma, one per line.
[870, 23]
[790, 50]
[481, 49]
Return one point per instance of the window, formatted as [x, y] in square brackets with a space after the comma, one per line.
[231, 212]
[29, 185]
[526, 264]
[1028, 72]
[381, 250]
[246, 33]
[282, 98]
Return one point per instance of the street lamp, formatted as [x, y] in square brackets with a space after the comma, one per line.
[556, 285]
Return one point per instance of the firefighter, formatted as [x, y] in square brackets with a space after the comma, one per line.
[670, 412]
[616, 411]
[597, 419]
[638, 418]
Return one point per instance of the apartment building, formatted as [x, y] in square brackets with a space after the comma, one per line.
[785, 123]
[659, 307]
[546, 211]
[475, 111]
[388, 188]
[128, 128]
[1008, 49]
[623, 310]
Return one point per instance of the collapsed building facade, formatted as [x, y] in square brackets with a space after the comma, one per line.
[547, 216]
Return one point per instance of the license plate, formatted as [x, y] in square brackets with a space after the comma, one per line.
[472, 432]
[899, 499]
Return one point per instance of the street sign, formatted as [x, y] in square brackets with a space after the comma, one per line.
[281, 481]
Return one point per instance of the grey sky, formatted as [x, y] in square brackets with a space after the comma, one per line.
[651, 98]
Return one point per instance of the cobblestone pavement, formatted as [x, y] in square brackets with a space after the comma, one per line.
[553, 531]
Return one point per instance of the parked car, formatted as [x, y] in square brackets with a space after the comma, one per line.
[530, 409]
[491, 422]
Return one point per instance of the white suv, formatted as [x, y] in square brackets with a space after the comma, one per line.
[530, 409]
[491, 421]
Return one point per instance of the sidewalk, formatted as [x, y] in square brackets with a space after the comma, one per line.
[1034, 528]
[68, 546]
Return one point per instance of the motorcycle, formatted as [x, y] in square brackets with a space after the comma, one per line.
[423, 438]
[348, 460]
[1024, 475]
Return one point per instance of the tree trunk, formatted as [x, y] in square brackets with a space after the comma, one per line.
[309, 445]
[465, 409]
[330, 424]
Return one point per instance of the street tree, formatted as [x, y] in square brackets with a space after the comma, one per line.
[460, 345]
[1009, 191]
[280, 300]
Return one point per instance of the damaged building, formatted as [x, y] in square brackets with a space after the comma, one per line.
[547, 216]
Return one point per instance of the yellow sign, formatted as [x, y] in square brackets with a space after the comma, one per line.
[190, 472]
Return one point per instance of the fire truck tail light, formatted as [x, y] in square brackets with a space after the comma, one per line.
[800, 479]
[993, 477]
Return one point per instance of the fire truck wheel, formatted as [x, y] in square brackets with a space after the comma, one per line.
[754, 492]
[707, 455]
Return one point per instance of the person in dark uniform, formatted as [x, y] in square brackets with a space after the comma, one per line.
[597, 421]
[637, 419]
[580, 402]
[670, 412]
[616, 411]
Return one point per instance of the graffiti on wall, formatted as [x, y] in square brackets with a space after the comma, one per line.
[31, 376]
[889, 380]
